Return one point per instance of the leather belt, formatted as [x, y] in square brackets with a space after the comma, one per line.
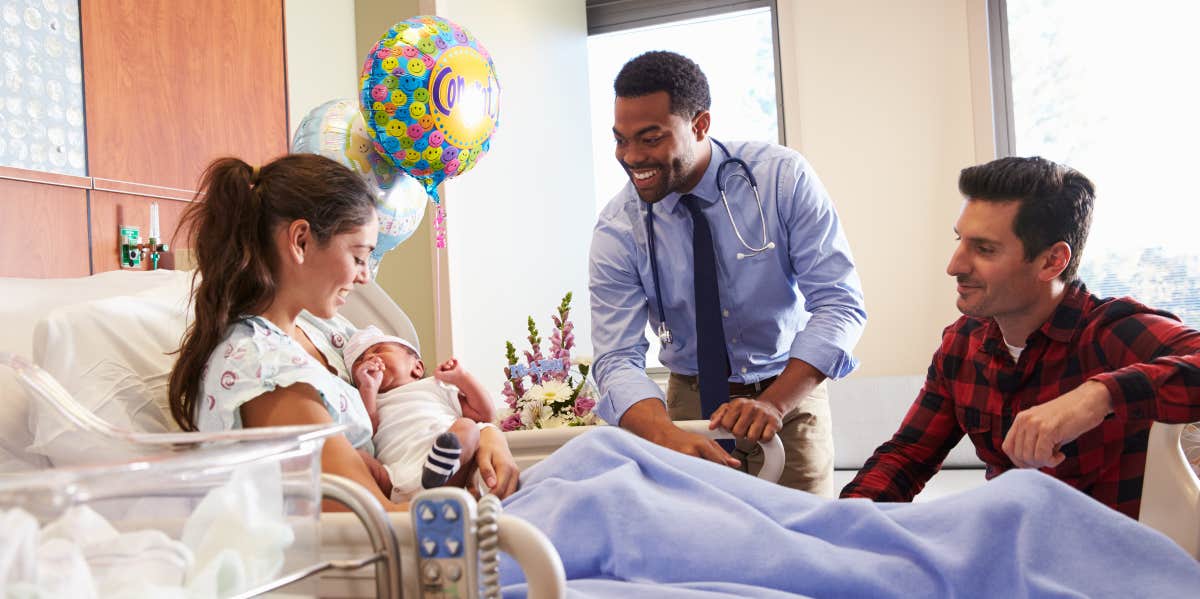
[736, 389]
[744, 389]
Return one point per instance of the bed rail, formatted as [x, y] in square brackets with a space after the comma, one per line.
[532, 446]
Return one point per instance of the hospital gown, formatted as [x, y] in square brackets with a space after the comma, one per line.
[256, 357]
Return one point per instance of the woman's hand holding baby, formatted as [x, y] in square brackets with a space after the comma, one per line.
[496, 464]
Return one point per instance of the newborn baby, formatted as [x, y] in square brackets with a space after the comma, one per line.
[426, 429]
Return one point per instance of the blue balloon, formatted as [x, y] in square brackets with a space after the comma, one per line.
[336, 130]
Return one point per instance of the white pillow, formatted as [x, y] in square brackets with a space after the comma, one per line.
[23, 303]
[114, 357]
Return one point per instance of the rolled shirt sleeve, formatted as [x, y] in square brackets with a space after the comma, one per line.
[825, 274]
[619, 316]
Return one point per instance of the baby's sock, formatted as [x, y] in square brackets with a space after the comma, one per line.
[442, 462]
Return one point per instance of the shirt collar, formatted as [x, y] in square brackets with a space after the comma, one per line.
[1062, 326]
[706, 189]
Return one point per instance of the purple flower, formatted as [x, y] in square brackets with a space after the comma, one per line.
[512, 423]
[583, 405]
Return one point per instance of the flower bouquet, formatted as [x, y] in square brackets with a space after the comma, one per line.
[559, 392]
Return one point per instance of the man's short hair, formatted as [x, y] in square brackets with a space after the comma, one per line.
[1056, 202]
[661, 71]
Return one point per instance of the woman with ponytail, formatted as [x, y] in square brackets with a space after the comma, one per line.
[277, 251]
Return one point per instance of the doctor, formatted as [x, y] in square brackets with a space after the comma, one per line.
[734, 254]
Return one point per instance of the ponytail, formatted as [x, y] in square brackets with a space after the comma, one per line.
[230, 228]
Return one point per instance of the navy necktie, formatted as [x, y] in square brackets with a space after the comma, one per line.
[711, 356]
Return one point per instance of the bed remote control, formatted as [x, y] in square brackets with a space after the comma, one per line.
[444, 525]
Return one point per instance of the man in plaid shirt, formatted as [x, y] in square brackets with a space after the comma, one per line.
[1039, 372]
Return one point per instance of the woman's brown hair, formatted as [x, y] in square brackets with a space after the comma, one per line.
[230, 226]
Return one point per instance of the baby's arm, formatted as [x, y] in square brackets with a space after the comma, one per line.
[476, 403]
[368, 374]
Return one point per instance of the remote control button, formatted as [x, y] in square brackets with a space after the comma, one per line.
[428, 547]
[426, 513]
[449, 513]
[453, 572]
[432, 573]
[452, 546]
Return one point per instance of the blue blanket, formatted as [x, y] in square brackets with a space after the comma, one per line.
[631, 519]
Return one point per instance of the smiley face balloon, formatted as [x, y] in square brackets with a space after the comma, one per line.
[428, 83]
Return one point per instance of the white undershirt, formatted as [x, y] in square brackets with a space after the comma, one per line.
[1014, 351]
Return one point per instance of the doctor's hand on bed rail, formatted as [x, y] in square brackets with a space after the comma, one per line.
[649, 420]
[747, 418]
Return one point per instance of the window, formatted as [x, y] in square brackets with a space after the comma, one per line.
[1105, 87]
[734, 46]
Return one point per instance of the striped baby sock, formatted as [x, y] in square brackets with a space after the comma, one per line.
[442, 462]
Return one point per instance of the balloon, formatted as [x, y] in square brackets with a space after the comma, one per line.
[336, 130]
[430, 98]
[400, 210]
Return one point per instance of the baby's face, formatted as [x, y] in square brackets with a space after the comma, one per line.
[400, 364]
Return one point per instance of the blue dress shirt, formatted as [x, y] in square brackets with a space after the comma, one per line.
[802, 299]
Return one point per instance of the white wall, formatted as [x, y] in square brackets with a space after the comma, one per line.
[888, 100]
[520, 222]
[879, 97]
[322, 60]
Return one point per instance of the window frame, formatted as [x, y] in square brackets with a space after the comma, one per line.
[610, 16]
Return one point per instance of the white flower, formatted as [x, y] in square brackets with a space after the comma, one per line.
[556, 421]
[548, 392]
[583, 360]
[530, 410]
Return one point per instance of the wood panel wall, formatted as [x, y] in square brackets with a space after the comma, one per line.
[44, 231]
[168, 86]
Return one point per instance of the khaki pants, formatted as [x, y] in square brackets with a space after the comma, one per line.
[807, 436]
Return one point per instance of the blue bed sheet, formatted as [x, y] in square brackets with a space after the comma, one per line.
[632, 519]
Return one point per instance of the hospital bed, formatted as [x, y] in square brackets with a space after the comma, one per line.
[107, 338]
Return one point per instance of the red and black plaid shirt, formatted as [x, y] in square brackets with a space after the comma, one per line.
[1146, 358]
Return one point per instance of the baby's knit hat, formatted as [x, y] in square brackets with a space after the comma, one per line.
[367, 337]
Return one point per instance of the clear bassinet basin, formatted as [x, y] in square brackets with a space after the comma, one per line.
[233, 515]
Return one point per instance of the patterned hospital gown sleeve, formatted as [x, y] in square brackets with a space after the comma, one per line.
[256, 357]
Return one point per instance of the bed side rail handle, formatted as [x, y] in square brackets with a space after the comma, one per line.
[378, 527]
[773, 455]
[539, 560]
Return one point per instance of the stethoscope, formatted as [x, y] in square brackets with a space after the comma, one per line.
[664, 333]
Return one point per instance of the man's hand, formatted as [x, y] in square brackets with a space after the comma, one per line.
[747, 418]
[648, 419]
[673, 437]
[1038, 432]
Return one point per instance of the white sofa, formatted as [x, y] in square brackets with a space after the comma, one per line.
[868, 410]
